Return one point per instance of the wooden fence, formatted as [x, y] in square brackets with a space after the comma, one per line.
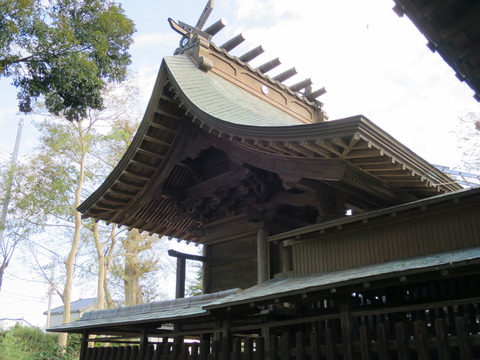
[407, 341]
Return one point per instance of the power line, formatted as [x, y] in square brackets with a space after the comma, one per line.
[20, 297]
[5, 151]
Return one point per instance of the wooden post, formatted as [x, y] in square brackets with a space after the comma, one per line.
[286, 252]
[206, 270]
[347, 328]
[463, 339]
[226, 340]
[180, 284]
[181, 270]
[382, 342]
[265, 333]
[142, 351]
[262, 255]
[402, 341]
[421, 340]
[364, 343]
[204, 348]
[84, 345]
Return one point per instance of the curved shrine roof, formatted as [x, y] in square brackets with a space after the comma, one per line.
[256, 121]
[220, 100]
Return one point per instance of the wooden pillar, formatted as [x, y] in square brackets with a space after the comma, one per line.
[226, 342]
[265, 334]
[142, 350]
[181, 270]
[206, 270]
[179, 339]
[347, 326]
[180, 285]
[262, 255]
[84, 345]
[286, 258]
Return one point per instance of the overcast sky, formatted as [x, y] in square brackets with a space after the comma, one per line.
[371, 62]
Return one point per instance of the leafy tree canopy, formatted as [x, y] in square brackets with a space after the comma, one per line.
[28, 343]
[65, 51]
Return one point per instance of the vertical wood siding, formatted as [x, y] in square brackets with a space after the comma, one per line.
[420, 232]
[232, 255]
[233, 264]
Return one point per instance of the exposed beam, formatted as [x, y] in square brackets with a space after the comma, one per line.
[389, 166]
[137, 176]
[149, 153]
[320, 169]
[178, 254]
[167, 114]
[328, 146]
[301, 149]
[156, 140]
[316, 149]
[353, 141]
[362, 154]
[143, 164]
[230, 178]
[163, 127]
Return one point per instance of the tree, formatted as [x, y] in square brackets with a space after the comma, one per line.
[52, 190]
[26, 343]
[194, 285]
[140, 257]
[121, 105]
[53, 186]
[64, 52]
[9, 239]
[468, 140]
[8, 244]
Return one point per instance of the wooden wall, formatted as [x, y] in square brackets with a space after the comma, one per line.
[231, 249]
[424, 230]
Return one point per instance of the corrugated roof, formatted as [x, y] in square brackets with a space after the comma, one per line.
[152, 312]
[288, 286]
[75, 307]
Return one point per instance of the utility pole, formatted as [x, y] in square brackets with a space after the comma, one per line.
[50, 293]
[8, 191]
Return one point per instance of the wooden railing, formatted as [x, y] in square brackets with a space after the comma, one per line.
[408, 340]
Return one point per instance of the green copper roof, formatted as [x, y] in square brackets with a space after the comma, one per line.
[293, 285]
[221, 99]
[159, 311]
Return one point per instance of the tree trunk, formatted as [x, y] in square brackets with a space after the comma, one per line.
[69, 267]
[70, 262]
[2, 271]
[133, 290]
[102, 269]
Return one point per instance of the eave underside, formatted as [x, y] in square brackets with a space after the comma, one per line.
[452, 28]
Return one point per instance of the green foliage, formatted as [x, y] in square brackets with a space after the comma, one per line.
[27, 343]
[194, 285]
[132, 270]
[65, 51]
[51, 183]
[50, 177]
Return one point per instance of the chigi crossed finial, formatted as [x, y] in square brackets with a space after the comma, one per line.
[190, 39]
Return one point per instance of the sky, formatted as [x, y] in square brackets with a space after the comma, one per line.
[370, 61]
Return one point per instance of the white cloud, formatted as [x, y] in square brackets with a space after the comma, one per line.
[371, 62]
